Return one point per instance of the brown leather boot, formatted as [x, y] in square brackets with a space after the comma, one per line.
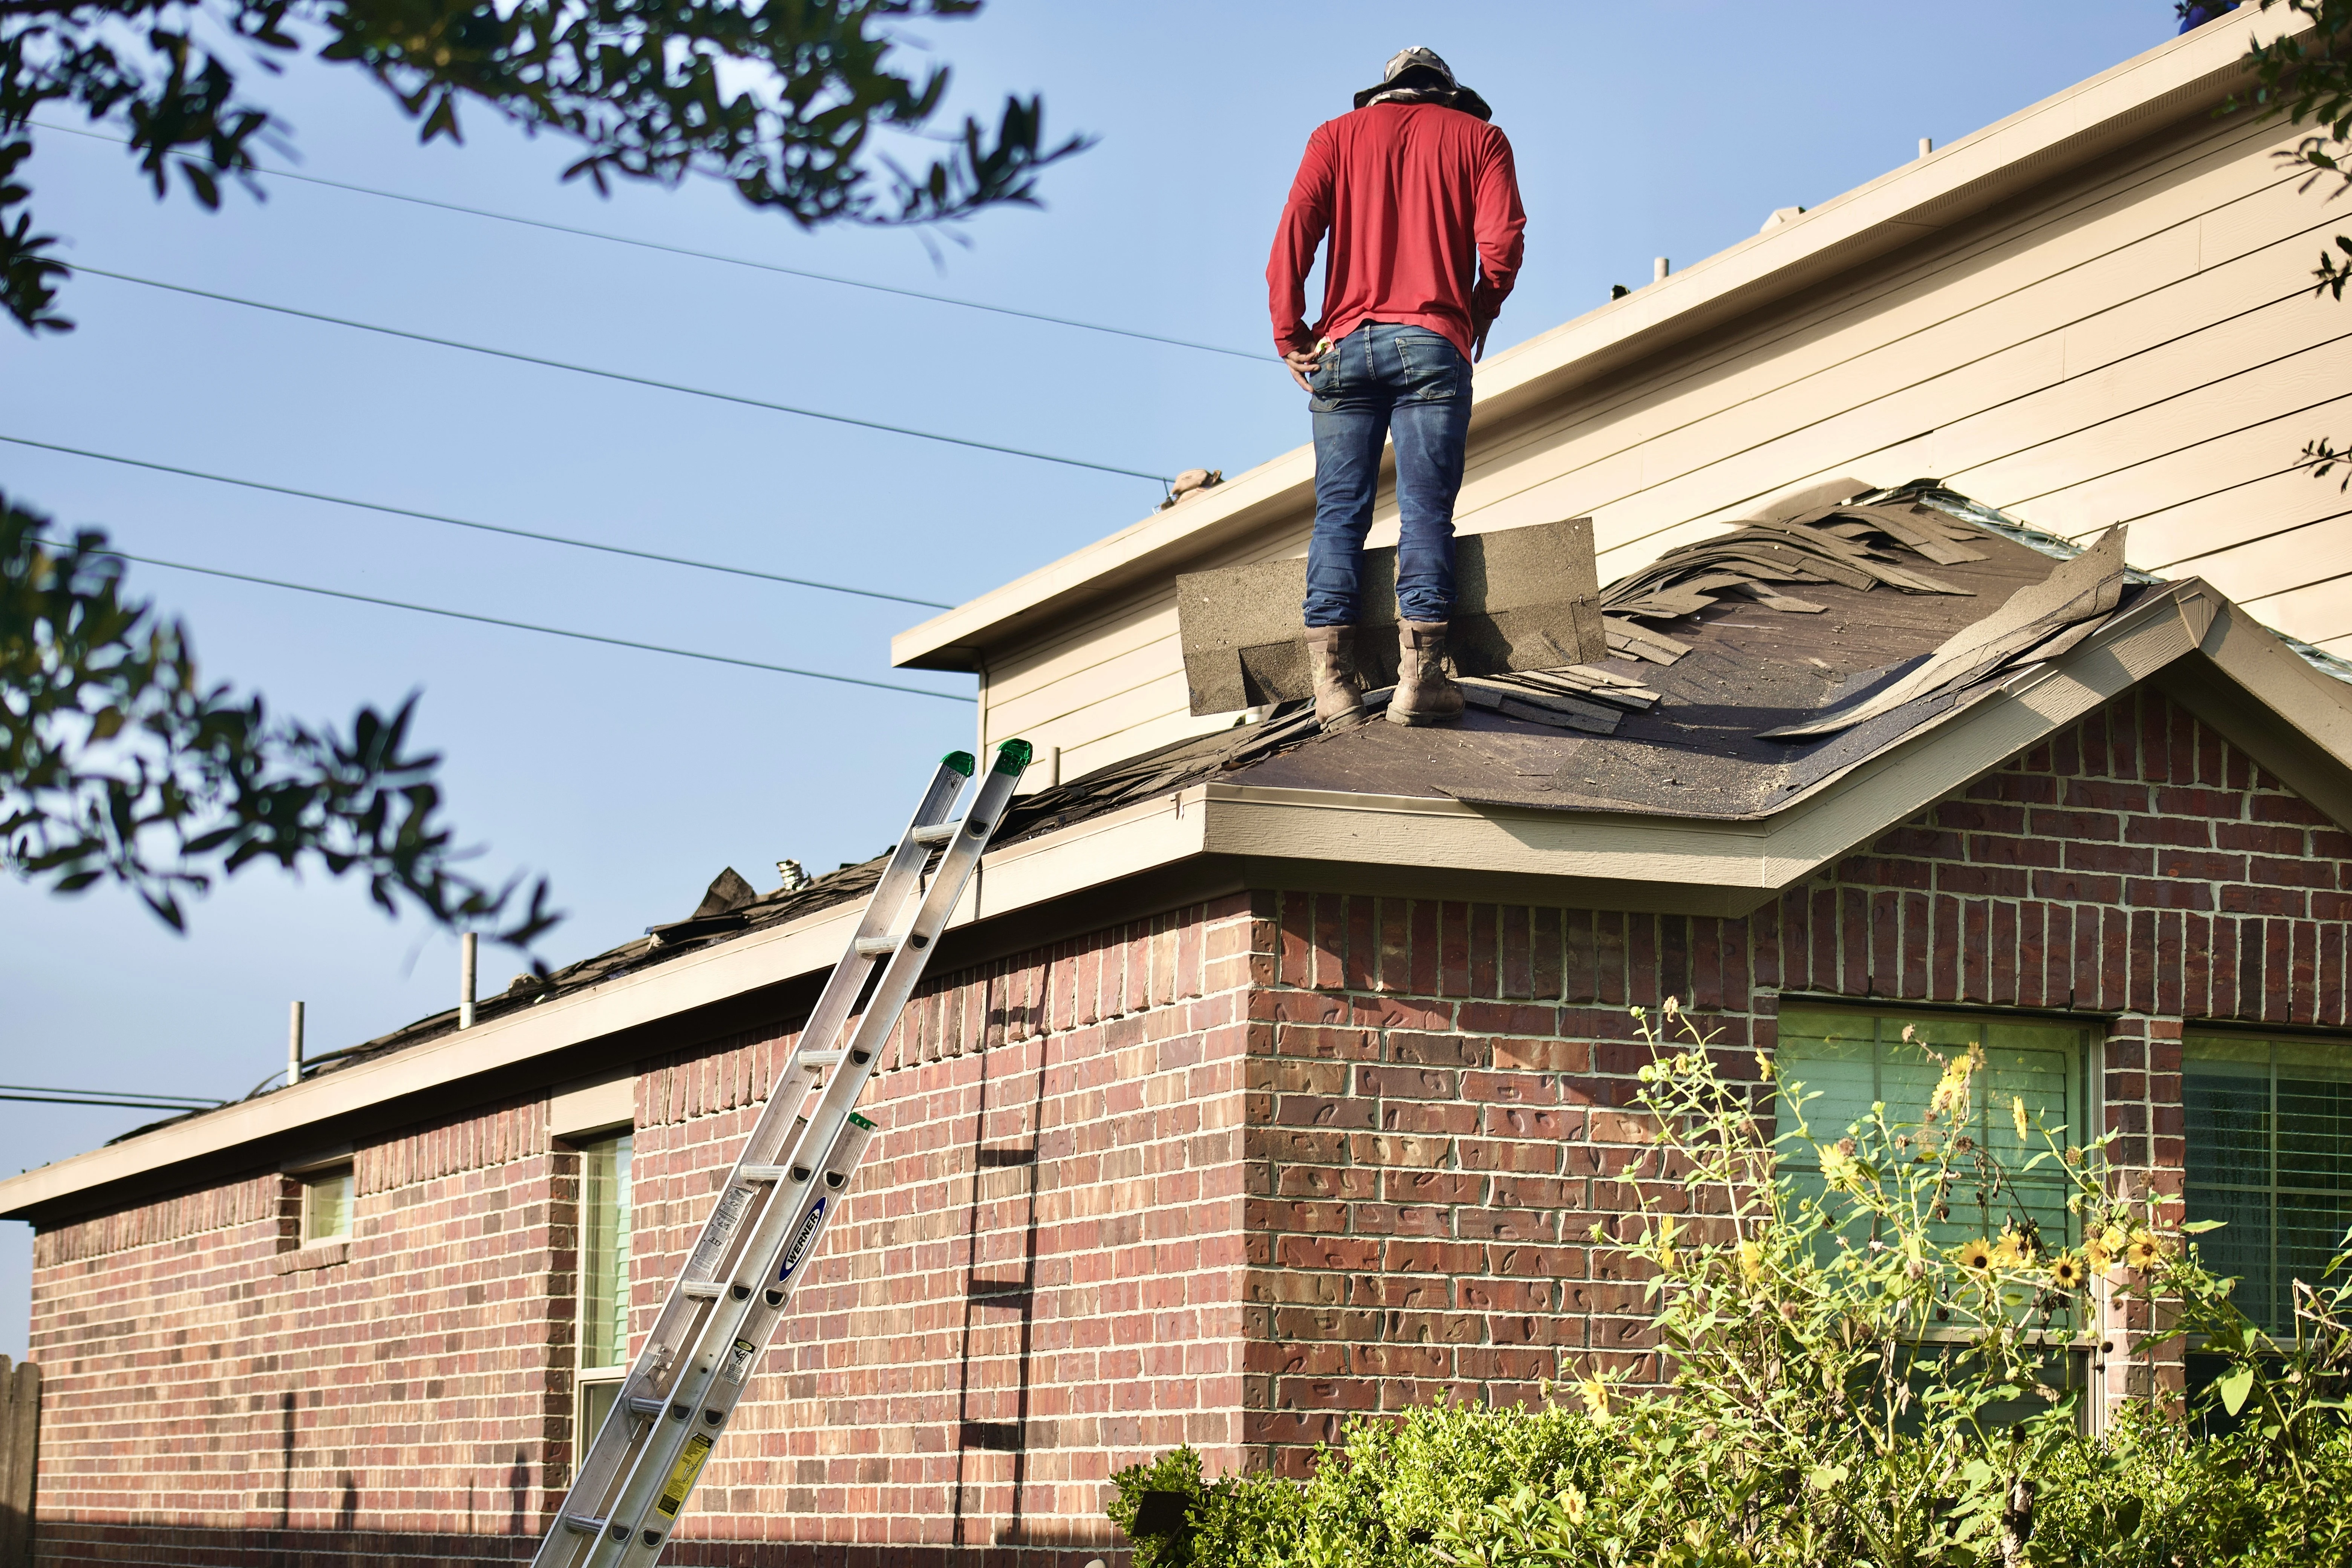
[1425, 693]
[1338, 689]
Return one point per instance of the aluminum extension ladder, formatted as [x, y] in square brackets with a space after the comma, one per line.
[631, 1484]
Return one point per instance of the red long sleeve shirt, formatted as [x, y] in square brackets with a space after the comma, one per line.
[1416, 197]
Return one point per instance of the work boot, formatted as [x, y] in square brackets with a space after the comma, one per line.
[1338, 689]
[1425, 693]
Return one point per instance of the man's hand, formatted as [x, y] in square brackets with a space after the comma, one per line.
[1303, 364]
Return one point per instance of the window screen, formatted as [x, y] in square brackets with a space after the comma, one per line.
[2270, 1155]
[327, 1204]
[605, 1251]
[1852, 1058]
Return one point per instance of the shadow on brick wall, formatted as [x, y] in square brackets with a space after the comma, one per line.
[63, 1545]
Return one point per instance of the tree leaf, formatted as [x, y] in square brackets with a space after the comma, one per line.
[2234, 1389]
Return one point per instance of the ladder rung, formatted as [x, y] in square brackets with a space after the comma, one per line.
[770, 1174]
[641, 1406]
[876, 946]
[933, 836]
[819, 1058]
[581, 1525]
[701, 1290]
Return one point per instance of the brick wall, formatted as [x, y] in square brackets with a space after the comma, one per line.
[1435, 1115]
[1221, 1176]
[212, 1388]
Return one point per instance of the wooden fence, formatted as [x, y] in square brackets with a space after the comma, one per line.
[20, 1423]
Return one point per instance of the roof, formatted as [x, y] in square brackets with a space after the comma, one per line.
[2183, 77]
[1776, 694]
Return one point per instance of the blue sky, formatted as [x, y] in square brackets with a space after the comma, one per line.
[1642, 129]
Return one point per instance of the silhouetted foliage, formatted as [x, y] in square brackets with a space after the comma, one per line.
[780, 98]
[113, 752]
[117, 762]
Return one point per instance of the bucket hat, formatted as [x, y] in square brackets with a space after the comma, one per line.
[1447, 92]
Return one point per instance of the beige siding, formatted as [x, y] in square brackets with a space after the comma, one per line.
[2142, 347]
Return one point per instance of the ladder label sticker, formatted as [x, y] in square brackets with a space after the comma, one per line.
[739, 1360]
[719, 1233]
[683, 1475]
[801, 1239]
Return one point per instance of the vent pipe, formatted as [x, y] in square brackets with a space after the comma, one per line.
[294, 1046]
[1926, 145]
[1658, 270]
[465, 950]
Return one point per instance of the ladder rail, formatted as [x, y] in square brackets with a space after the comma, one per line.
[666, 1465]
[787, 1183]
[602, 1460]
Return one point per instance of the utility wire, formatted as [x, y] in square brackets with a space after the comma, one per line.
[1161, 479]
[701, 255]
[466, 522]
[25, 1091]
[527, 627]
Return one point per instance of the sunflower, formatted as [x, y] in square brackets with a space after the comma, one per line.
[2017, 1115]
[2067, 1273]
[2142, 1251]
[2010, 1251]
[2097, 1258]
[1751, 1260]
[1975, 1255]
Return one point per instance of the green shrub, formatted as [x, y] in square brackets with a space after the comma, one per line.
[1854, 1378]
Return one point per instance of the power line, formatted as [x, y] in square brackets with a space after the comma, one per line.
[466, 522]
[703, 255]
[29, 1092]
[620, 375]
[527, 626]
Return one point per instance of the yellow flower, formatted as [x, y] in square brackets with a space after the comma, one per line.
[1751, 1261]
[1596, 1396]
[1572, 1504]
[2010, 1251]
[1975, 1255]
[1764, 1067]
[2017, 1115]
[2095, 1256]
[2142, 1251]
[2067, 1273]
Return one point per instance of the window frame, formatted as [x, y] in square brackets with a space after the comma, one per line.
[311, 1179]
[2085, 1099]
[599, 1385]
[2271, 1318]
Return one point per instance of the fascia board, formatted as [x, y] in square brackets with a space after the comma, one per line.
[1419, 832]
[2299, 722]
[1136, 839]
[2175, 78]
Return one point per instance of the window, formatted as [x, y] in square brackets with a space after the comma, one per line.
[2270, 1155]
[1852, 1059]
[326, 1205]
[603, 1276]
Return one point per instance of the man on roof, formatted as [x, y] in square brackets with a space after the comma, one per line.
[1419, 196]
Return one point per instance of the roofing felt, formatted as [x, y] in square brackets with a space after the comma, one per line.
[1863, 609]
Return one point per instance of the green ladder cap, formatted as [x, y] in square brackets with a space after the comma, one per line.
[1013, 756]
[961, 761]
[860, 1121]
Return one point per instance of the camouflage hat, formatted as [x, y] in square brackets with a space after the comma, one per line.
[1447, 92]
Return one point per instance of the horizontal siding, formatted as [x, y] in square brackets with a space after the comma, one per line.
[2141, 347]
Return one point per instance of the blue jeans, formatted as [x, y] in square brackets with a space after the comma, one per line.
[1383, 380]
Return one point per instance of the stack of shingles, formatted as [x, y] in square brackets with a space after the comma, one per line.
[1858, 545]
[1576, 696]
